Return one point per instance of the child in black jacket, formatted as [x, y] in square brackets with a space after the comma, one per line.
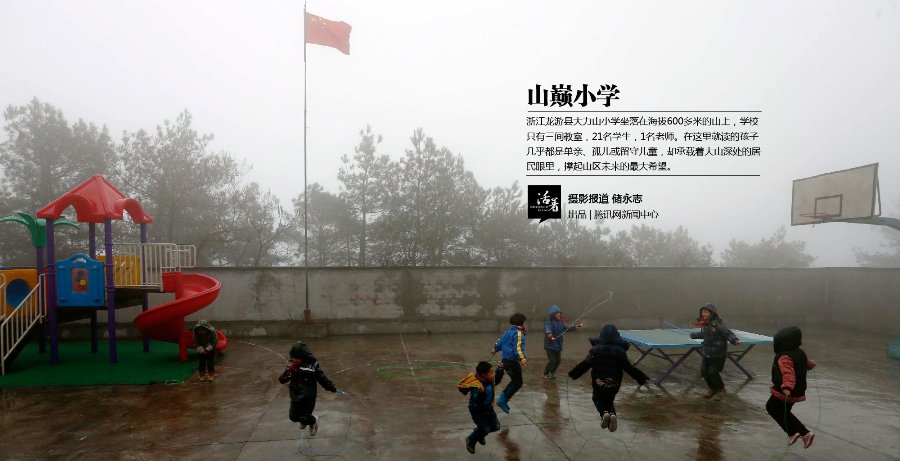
[789, 384]
[716, 336]
[301, 375]
[607, 360]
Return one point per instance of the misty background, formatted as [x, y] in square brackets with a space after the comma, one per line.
[197, 111]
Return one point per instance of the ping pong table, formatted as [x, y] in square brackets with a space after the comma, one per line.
[656, 342]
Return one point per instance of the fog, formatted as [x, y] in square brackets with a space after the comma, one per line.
[823, 73]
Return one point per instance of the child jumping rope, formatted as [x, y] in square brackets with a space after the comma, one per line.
[512, 343]
[607, 360]
[789, 384]
[480, 387]
[302, 374]
[716, 336]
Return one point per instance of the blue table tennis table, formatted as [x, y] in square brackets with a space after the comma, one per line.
[656, 342]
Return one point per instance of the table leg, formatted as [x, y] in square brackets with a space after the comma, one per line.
[739, 357]
[643, 353]
[675, 365]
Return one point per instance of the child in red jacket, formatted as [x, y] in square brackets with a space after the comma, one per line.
[789, 384]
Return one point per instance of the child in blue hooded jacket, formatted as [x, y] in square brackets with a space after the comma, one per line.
[512, 343]
[554, 328]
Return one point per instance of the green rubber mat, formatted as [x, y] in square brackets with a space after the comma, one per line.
[79, 367]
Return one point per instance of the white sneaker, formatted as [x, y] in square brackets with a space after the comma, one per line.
[613, 423]
[313, 429]
[604, 423]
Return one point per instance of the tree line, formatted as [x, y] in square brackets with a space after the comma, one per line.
[423, 209]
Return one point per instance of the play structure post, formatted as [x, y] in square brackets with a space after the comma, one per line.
[38, 259]
[92, 240]
[110, 290]
[50, 291]
[39, 265]
[145, 304]
[92, 250]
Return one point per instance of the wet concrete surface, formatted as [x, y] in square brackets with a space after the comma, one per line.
[401, 404]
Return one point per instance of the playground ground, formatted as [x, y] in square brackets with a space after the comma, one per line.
[401, 404]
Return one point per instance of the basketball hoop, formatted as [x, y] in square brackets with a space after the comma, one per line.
[819, 217]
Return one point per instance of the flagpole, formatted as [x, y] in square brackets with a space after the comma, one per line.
[306, 312]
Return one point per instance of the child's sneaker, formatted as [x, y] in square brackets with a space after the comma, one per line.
[210, 377]
[470, 447]
[547, 377]
[201, 378]
[604, 423]
[808, 439]
[501, 402]
[552, 375]
[313, 428]
[793, 439]
[709, 393]
[613, 423]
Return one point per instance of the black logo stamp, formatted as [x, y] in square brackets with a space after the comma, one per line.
[544, 202]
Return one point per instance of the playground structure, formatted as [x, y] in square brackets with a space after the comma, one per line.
[34, 301]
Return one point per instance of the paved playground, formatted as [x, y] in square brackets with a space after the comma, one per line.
[401, 404]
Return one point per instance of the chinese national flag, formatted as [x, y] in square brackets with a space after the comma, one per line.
[320, 31]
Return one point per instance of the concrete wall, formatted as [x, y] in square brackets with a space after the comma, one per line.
[271, 301]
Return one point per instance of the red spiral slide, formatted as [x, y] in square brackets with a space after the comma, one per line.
[166, 321]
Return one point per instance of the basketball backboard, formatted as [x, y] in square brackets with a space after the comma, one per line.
[839, 196]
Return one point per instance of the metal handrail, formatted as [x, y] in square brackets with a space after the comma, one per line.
[25, 316]
[155, 259]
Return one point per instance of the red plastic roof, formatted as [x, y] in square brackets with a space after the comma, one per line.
[96, 200]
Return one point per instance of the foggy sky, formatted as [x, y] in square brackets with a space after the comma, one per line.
[824, 73]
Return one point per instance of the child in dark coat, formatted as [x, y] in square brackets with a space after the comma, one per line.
[607, 361]
[716, 336]
[512, 344]
[554, 328]
[789, 384]
[480, 387]
[301, 375]
[205, 338]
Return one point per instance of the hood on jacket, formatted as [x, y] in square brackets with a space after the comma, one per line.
[204, 325]
[787, 339]
[711, 308]
[554, 309]
[610, 334]
[300, 350]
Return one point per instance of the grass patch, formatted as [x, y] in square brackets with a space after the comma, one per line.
[79, 367]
